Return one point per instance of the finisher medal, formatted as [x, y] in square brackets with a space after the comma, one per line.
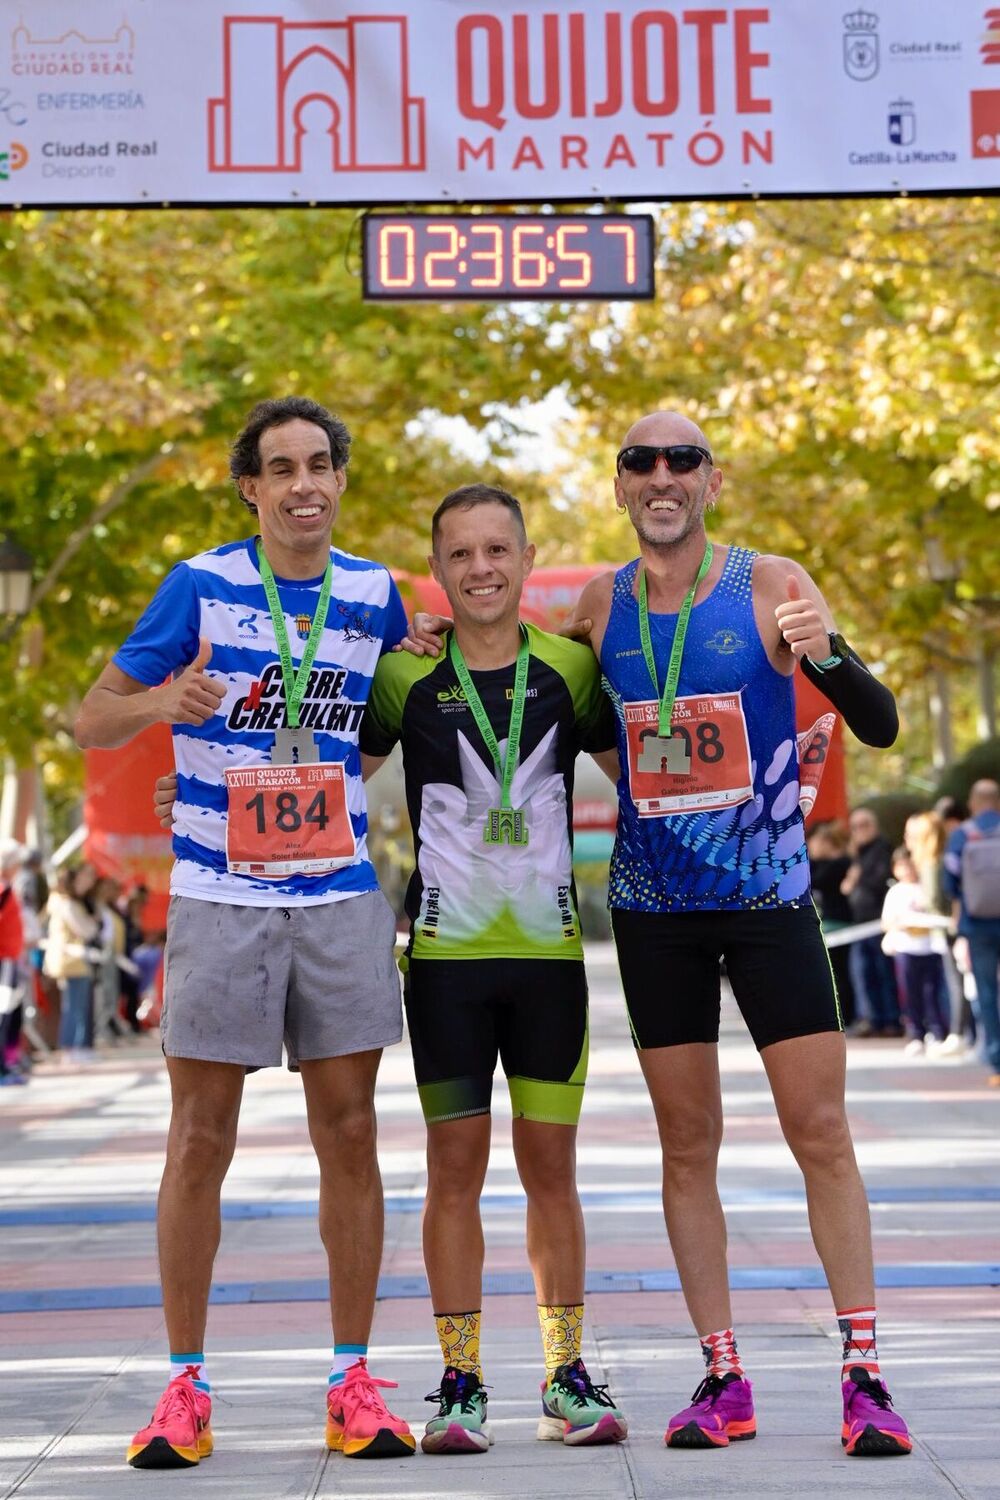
[504, 824]
[660, 755]
[666, 750]
[294, 745]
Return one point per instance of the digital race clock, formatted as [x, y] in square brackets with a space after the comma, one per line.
[502, 257]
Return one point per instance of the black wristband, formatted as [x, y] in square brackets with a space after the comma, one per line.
[867, 706]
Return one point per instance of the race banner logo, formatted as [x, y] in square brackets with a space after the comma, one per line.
[985, 122]
[353, 72]
[902, 123]
[72, 54]
[861, 45]
[990, 49]
[12, 160]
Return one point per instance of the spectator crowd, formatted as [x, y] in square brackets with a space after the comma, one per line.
[926, 970]
[76, 967]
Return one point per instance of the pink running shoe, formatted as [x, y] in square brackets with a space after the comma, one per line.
[358, 1422]
[721, 1412]
[178, 1435]
[871, 1428]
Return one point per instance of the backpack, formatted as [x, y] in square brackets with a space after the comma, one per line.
[981, 872]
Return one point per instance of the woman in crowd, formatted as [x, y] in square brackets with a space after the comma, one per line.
[72, 931]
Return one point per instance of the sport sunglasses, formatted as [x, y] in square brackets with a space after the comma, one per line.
[681, 458]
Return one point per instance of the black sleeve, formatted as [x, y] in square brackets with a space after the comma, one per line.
[868, 707]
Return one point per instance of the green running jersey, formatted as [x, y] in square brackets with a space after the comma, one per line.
[469, 898]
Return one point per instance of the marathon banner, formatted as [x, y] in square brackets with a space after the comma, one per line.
[106, 102]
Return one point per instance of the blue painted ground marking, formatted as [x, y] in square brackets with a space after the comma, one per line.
[764, 1278]
[145, 1213]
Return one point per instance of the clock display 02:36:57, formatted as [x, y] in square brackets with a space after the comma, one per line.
[507, 256]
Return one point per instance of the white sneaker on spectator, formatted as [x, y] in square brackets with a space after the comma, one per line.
[914, 1047]
[953, 1047]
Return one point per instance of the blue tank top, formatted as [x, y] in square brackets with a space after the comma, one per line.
[749, 853]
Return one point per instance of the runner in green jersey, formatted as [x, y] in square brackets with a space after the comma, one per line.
[490, 732]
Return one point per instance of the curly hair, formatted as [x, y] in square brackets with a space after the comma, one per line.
[244, 456]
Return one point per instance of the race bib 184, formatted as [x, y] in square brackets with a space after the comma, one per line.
[288, 820]
[713, 729]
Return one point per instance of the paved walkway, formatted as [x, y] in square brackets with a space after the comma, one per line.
[81, 1337]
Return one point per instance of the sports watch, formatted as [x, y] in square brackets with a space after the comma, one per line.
[839, 651]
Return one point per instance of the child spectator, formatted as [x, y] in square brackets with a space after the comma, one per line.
[907, 921]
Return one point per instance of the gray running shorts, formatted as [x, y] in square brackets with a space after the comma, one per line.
[242, 980]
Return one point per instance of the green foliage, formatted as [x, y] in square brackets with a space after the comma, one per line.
[842, 357]
[892, 810]
[133, 345]
[981, 762]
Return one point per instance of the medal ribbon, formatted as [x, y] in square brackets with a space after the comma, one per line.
[676, 650]
[505, 769]
[295, 682]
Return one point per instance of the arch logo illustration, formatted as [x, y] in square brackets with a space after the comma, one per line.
[354, 70]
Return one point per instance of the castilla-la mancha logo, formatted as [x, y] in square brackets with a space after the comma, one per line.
[346, 79]
[861, 44]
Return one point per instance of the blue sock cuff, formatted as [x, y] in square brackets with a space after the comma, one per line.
[360, 1349]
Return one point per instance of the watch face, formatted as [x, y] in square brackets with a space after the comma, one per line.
[838, 646]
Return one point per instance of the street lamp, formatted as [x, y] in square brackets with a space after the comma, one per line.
[16, 568]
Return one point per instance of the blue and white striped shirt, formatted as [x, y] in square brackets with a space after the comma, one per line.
[220, 595]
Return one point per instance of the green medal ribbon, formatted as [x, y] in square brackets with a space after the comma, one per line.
[504, 824]
[295, 682]
[676, 650]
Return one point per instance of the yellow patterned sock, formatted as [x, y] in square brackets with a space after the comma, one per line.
[458, 1335]
[562, 1333]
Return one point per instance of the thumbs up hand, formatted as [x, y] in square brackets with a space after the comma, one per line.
[192, 696]
[801, 623]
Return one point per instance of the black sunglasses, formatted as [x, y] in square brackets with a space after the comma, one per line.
[681, 458]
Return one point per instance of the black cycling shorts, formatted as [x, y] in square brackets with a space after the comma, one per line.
[465, 1013]
[776, 961]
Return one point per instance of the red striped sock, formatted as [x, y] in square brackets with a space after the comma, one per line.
[719, 1350]
[857, 1329]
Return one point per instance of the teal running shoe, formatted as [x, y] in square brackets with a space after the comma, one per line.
[460, 1425]
[577, 1412]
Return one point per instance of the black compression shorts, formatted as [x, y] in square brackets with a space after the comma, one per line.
[465, 1013]
[776, 961]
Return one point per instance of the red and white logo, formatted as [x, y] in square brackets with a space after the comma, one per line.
[985, 122]
[990, 50]
[285, 80]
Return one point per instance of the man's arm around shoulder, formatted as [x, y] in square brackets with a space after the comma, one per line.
[589, 619]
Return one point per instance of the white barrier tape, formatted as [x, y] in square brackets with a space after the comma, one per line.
[851, 934]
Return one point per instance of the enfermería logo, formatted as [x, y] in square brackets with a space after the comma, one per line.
[323, 708]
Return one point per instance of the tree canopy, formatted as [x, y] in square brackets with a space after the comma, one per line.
[842, 357]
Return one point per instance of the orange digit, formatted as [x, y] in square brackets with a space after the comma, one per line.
[385, 235]
[431, 277]
[495, 255]
[585, 261]
[522, 272]
[628, 233]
